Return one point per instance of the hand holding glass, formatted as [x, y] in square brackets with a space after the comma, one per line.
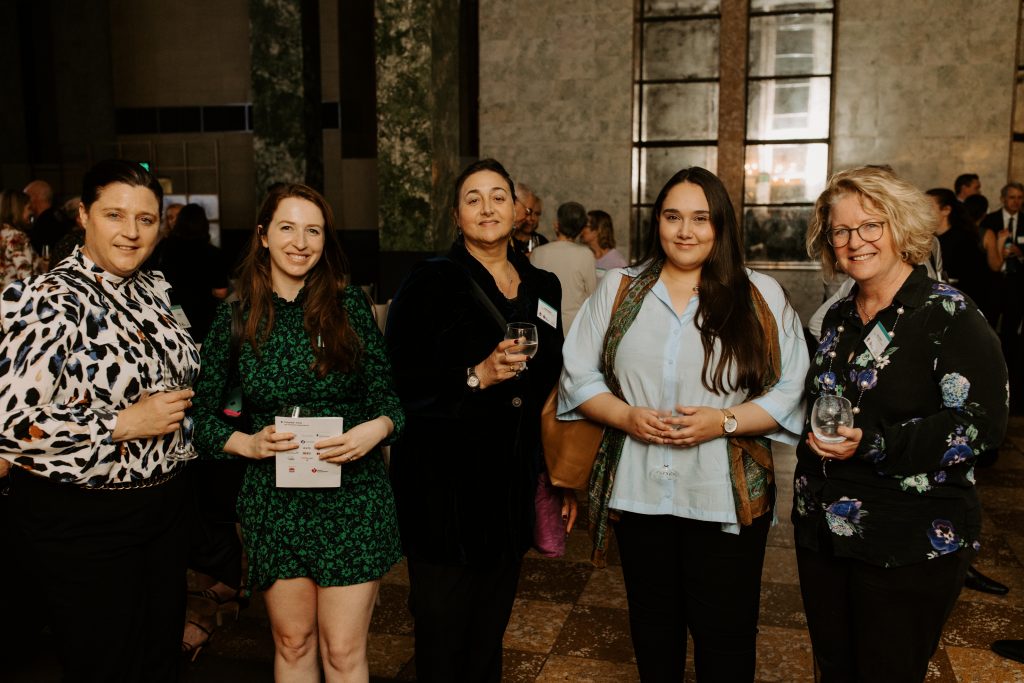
[828, 415]
[526, 333]
[178, 377]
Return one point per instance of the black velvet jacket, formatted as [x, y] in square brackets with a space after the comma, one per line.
[464, 472]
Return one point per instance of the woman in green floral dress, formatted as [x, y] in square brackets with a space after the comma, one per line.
[307, 340]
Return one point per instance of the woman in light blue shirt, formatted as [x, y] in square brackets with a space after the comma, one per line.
[694, 372]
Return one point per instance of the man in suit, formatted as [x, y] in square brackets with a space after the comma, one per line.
[1009, 241]
[966, 184]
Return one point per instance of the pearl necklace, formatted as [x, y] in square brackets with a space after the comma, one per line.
[863, 384]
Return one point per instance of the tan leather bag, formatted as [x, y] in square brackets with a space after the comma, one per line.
[570, 446]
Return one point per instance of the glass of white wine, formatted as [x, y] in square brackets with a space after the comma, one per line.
[526, 335]
[177, 377]
[829, 413]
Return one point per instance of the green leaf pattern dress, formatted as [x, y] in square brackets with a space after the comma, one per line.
[337, 537]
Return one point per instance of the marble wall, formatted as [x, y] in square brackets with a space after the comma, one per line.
[417, 121]
[926, 87]
[556, 98]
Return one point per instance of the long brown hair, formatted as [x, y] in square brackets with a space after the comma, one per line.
[324, 317]
[725, 309]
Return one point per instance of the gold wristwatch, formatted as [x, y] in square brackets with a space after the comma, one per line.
[729, 423]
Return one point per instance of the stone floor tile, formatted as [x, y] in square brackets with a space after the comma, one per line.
[782, 606]
[554, 580]
[521, 667]
[388, 654]
[392, 614]
[780, 566]
[605, 589]
[781, 534]
[939, 668]
[561, 668]
[783, 655]
[596, 633]
[977, 624]
[973, 665]
[535, 625]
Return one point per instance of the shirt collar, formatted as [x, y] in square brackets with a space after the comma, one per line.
[90, 267]
[912, 293]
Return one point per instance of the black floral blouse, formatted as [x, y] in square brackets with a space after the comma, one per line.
[80, 344]
[932, 400]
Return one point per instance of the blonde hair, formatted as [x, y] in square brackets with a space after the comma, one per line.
[908, 213]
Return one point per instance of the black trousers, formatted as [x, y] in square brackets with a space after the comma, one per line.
[870, 624]
[213, 545]
[109, 567]
[685, 574]
[461, 613]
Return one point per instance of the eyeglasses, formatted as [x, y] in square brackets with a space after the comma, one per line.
[531, 212]
[869, 232]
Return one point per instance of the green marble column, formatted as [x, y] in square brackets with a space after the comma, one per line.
[287, 130]
[417, 121]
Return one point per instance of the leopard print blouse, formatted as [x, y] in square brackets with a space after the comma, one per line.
[80, 344]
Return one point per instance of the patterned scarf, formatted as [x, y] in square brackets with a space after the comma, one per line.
[750, 458]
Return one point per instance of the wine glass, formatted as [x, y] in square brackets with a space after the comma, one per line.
[828, 414]
[178, 377]
[527, 332]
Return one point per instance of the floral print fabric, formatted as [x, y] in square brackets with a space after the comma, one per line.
[933, 400]
[337, 537]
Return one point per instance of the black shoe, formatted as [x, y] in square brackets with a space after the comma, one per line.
[975, 580]
[1011, 649]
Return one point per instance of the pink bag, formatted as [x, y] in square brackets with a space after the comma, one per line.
[549, 527]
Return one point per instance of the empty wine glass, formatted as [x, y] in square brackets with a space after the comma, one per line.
[526, 333]
[829, 413]
[178, 377]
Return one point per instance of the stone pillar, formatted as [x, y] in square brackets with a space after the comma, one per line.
[732, 97]
[417, 121]
[286, 107]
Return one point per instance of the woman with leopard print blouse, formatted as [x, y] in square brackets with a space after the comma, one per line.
[85, 429]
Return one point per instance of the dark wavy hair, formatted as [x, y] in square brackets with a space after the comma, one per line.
[192, 224]
[324, 315]
[725, 311]
[119, 171]
[475, 167]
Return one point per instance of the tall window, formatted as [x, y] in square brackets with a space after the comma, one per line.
[789, 92]
[675, 97]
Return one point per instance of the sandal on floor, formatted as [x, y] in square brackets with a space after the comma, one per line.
[230, 605]
[190, 651]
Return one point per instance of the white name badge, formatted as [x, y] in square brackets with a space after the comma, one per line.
[878, 340]
[547, 313]
[301, 467]
[179, 316]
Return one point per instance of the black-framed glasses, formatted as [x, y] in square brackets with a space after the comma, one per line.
[869, 232]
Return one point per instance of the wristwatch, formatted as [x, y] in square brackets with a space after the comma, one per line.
[729, 423]
[472, 381]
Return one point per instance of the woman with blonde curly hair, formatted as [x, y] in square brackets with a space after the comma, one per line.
[887, 520]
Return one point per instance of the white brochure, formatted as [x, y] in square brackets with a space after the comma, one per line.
[300, 467]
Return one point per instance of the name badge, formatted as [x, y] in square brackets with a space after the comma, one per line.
[1020, 238]
[547, 313]
[180, 317]
[878, 340]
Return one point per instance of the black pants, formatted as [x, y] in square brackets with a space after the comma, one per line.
[870, 624]
[685, 574]
[109, 567]
[213, 545]
[461, 613]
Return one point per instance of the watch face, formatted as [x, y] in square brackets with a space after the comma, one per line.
[729, 425]
[472, 381]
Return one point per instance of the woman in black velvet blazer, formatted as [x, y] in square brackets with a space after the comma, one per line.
[465, 471]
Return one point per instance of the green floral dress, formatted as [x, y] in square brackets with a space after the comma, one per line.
[337, 537]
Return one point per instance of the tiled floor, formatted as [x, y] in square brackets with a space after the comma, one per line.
[570, 621]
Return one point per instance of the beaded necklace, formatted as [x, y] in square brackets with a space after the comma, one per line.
[863, 384]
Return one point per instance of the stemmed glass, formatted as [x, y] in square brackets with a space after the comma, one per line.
[828, 414]
[527, 332]
[178, 377]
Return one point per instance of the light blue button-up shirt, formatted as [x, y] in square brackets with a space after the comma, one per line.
[659, 365]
